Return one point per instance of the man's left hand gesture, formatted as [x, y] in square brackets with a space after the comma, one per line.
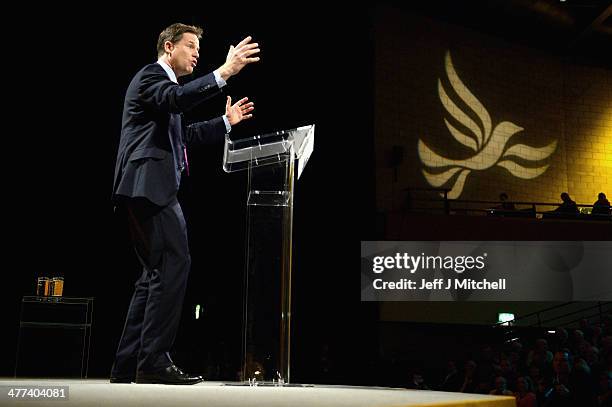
[239, 111]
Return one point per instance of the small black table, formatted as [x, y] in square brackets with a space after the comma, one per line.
[54, 337]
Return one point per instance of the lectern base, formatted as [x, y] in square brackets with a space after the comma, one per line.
[267, 384]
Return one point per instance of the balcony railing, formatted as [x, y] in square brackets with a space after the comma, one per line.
[435, 200]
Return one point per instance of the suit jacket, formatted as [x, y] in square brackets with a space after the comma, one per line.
[150, 156]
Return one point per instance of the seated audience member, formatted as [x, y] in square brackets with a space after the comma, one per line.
[606, 325]
[560, 339]
[469, 384]
[606, 358]
[590, 354]
[488, 361]
[604, 390]
[507, 370]
[534, 374]
[517, 355]
[578, 341]
[568, 206]
[601, 206]
[569, 388]
[501, 388]
[597, 334]
[525, 395]
[581, 367]
[540, 355]
[541, 389]
[416, 381]
[505, 206]
[452, 380]
[587, 329]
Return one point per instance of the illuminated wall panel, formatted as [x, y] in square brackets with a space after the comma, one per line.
[480, 116]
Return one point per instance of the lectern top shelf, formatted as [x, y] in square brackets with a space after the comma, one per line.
[269, 149]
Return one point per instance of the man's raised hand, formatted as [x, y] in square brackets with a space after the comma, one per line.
[238, 57]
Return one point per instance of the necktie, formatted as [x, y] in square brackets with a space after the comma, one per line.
[176, 140]
[180, 120]
[186, 160]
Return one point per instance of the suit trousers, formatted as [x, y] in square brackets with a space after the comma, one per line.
[159, 235]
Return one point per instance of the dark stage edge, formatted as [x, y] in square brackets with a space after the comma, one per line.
[97, 392]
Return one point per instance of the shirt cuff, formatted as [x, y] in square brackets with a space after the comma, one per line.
[220, 81]
[228, 126]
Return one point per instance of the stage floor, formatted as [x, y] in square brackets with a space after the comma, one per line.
[92, 392]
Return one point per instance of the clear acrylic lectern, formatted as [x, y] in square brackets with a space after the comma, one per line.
[270, 160]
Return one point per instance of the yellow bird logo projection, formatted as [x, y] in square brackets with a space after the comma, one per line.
[487, 142]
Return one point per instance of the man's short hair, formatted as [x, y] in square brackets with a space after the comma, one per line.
[174, 33]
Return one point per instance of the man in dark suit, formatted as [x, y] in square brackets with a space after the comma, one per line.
[151, 158]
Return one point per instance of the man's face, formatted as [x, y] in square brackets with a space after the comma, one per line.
[561, 362]
[184, 54]
[520, 384]
[500, 383]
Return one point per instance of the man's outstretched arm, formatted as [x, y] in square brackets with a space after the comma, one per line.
[158, 90]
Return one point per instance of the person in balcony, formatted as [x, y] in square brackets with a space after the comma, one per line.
[601, 206]
[525, 395]
[505, 205]
[568, 206]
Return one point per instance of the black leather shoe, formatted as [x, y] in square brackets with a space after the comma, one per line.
[170, 375]
[122, 379]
